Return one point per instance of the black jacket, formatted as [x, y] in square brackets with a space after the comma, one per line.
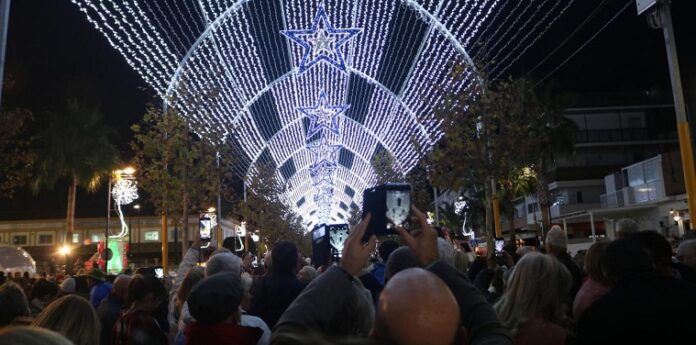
[644, 309]
[328, 306]
[272, 294]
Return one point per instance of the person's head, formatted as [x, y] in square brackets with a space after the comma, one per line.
[624, 258]
[120, 287]
[686, 253]
[223, 262]
[24, 335]
[43, 290]
[73, 317]
[625, 228]
[284, 257]
[446, 250]
[592, 264]
[145, 292]
[537, 287]
[216, 298]
[67, 286]
[385, 249]
[400, 259]
[658, 248]
[307, 274]
[95, 276]
[18, 275]
[556, 242]
[417, 307]
[14, 303]
[193, 276]
[247, 282]
[26, 275]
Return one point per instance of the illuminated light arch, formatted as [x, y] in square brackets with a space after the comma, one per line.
[225, 63]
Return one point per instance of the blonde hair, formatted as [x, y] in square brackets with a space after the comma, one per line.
[31, 335]
[538, 287]
[73, 317]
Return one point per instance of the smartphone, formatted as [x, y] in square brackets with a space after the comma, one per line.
[499, 244]
[321, 246]
[204, 227]
[337, 235]
[389, 206]
[159, 272]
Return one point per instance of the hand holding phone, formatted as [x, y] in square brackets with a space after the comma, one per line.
[389, 206]
[499, 245]
[205, 229]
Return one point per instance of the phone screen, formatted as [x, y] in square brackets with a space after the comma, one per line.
[337, 235]
[204, 226]
[499, 244]
[398, 206]
[159, 272]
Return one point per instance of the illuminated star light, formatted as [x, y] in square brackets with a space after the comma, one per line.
[324, 152]
[323, 115]
[321, 42]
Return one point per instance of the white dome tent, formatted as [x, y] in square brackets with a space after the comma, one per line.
[16, 259]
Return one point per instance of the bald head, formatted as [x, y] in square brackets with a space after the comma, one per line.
[414, 306]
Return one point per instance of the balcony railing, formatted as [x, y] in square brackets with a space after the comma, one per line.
[633, 195]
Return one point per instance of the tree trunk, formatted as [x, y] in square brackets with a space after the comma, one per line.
[543, 201]
[70, 222]
[184, 228]
[490, 229]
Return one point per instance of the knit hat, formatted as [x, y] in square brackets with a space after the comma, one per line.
[68, 285]
[215, 298]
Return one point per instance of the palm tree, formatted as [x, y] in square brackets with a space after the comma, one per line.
[556, 134]
[74, 145]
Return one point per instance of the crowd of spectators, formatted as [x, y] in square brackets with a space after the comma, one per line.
[420, 288]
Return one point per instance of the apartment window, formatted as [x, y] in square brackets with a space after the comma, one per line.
[45, 239]
[75, 238]
[578, 196]
[152, 236]
[20, 240]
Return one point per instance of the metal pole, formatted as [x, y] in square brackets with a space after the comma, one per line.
[165, 245]
[496, 210]
[592, 226]
[108, 224]
[219, 203]
[4, 20]
[565, 228]
[685, 146]
[437, 207]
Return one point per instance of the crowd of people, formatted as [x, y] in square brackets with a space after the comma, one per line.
[420, 288]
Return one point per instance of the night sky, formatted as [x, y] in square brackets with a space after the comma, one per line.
[54, 54]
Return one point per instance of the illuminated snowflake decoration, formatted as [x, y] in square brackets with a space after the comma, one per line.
[246, 66]
[124, 191]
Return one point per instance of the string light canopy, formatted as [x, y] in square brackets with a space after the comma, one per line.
[317, 89]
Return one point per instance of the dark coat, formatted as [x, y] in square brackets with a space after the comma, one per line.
[272, 295]
[109, 311]
[644, 309]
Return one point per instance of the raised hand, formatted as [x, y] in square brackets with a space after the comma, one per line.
[422, 242]
[356, 253]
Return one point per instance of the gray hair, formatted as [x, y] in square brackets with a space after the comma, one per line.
[626, 227]
[399, 260]
[446, 250]
[309, 272]
[223, 262]
[556, 238]
[687, 248]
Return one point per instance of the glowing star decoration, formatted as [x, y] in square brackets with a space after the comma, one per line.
[321, 42]
[323, 116]
[324, 152]
[124, 192]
